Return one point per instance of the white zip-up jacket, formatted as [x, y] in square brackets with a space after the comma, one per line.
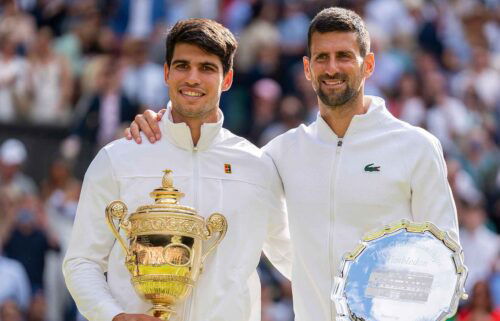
[381, 171]
[250, 197]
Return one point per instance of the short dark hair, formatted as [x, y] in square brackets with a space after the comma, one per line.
[341, 20]
[207, 34]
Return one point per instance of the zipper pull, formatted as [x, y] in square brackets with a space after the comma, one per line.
[339, 143]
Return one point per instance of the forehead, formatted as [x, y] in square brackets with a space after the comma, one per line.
[194, 54]
[333, 42]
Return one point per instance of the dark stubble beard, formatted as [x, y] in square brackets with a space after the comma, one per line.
[334, 100]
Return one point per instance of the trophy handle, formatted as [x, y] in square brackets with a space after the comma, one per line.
[118, 210]
[217, 228]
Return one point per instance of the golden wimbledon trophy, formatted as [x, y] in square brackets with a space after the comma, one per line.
[403, 272]
[164, 250]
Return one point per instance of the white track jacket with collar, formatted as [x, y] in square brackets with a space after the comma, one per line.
[249, 196]
[338, 189]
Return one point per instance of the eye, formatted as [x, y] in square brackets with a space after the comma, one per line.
[321, 57]
[181, 66]
[344, 56]
[207, 68]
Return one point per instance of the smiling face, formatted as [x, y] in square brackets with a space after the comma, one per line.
[195, 82]
[336, 69]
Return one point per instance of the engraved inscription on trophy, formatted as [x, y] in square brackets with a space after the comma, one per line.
[399, 285]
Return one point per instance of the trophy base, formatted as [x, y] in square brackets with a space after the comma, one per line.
[161, 312]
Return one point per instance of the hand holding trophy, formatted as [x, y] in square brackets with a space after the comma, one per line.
[164, 246]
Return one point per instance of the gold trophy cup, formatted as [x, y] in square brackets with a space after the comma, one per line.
[164, 249]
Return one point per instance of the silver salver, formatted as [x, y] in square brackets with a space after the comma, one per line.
[404, 272]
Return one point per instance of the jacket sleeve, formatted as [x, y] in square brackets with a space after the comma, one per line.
[431, 198]
[277, 246]
[91, 242]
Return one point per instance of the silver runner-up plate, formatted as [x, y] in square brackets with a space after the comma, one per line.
[404, 272]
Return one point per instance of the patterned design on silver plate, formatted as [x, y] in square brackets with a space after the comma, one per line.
[405, 272]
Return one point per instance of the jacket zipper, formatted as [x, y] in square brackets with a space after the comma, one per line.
[332, 219]
[196, 186]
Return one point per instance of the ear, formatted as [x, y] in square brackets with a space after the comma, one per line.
[165, 73]
[369, 62]
[228, 80]
[307, 70]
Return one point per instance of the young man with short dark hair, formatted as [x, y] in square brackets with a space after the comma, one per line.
[217, 171]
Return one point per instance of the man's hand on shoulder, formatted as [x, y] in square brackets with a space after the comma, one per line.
[134, 317]
[148, 124]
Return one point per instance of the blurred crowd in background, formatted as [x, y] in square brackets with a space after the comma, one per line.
[74, 73]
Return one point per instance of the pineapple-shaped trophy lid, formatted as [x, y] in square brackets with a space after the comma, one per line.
[167, 197]
[167, 193]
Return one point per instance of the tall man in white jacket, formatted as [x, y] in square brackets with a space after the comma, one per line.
[354, 169]
[218, 172]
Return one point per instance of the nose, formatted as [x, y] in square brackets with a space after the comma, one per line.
[331, 67]
[193, 77]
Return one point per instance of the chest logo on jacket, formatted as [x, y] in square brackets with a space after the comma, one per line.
[372, 168]
[227, 168]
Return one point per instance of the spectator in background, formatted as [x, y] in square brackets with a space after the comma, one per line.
[290, 114]
[260, 32]
[108, 44]
[15, 283]
[78, 41]
[480, 116]
[50, 83]
[302, 88]
[447, 116]
[108, 109]
[38, 308]
[408, 101]
[276, 297]
[52, 14]
[480, 307]
[293, 30]
[10, 311]
[143, 82]
[60, 192]
[29, 241]
[481, 159]
[12, 80]
[481, 246]
[266, 97]
[481, 76]
[462, 185]
[12, 156]
[19, 25]
[235, 14]
[102, 115]
[138, 19]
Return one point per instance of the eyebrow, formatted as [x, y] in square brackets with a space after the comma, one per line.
[203, 63]
[340, 52]
[345, 52]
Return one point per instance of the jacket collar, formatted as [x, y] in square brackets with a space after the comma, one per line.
[179, 134]
[359, 122]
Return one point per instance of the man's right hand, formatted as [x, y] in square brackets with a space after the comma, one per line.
[134, 317]
[148, 124]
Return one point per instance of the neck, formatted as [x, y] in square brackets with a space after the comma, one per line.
[194, 123]
[339, 117]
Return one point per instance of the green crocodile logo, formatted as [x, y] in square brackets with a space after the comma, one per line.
[371, 168]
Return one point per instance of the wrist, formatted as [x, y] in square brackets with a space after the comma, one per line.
[118, 317]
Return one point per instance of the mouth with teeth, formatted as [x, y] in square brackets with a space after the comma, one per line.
[191, 93]
[332, 82]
